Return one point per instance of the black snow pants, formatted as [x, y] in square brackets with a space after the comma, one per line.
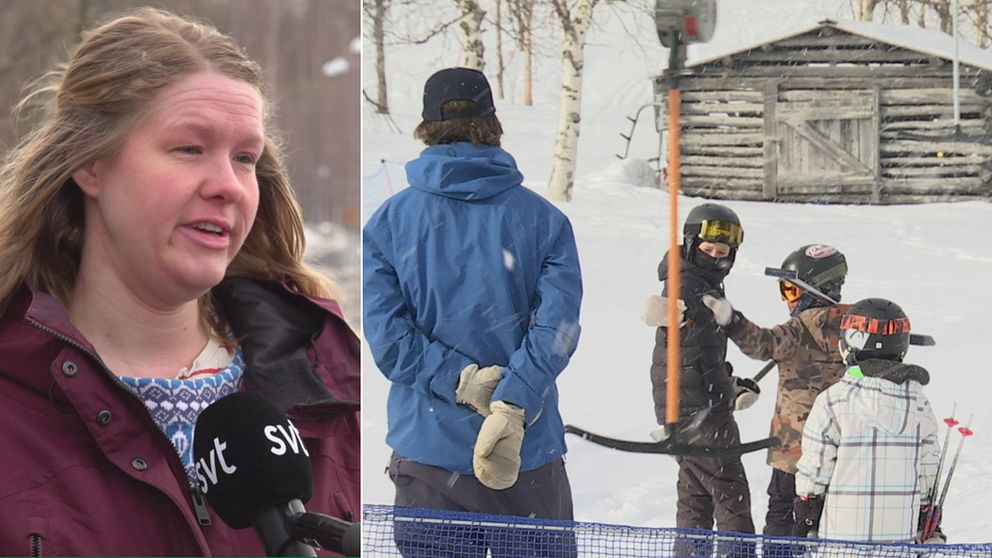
[543, 493]
[714, 489]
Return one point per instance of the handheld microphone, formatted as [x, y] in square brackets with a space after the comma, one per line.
[255, 471]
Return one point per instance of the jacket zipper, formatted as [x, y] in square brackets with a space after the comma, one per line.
[199, 506]
[35, 544]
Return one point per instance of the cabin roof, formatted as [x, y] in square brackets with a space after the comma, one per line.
[925, 41]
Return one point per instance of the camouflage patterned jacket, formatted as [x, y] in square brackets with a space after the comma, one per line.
[805, 349]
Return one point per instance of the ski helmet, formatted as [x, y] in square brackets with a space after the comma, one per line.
[874, 328]
[821, 266]
[711, 222]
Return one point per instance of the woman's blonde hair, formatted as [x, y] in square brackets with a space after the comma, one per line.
[90, 105]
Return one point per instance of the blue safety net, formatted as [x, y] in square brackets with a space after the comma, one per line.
[430, 533]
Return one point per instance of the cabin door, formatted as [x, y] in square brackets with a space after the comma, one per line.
[827, 144]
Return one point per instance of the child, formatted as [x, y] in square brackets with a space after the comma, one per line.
[869, 451]
[709, 488]
[805, 350]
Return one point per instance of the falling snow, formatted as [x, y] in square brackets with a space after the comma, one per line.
[925, 257]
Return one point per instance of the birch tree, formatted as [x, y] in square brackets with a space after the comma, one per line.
[376, 10]
[471, 25]
[865, 9]
[982, 24]
[522, 12]
[500, 68]
[574, 22]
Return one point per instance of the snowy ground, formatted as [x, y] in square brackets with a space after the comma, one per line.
[933, 260]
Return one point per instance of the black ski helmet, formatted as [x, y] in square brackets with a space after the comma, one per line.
[874, 328]
[821, 266]
[722, 225]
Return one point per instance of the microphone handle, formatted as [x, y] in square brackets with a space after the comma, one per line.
[274, 527]
[331, 533]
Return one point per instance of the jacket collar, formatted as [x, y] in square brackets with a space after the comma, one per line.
[47, 312]
[275, 325]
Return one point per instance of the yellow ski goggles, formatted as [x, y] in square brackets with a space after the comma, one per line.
[730, 234]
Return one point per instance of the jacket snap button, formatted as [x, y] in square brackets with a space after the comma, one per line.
[139, 464]
[69, 368]
[104, 417]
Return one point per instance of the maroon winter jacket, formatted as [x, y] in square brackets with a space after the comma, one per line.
[85, 470]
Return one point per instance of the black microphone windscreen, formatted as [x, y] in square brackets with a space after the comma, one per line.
[249, 457]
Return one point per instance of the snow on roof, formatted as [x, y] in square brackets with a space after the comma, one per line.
[926, 41]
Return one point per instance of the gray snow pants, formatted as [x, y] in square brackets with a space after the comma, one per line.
[543, 493]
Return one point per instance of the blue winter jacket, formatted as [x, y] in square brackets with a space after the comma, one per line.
[468, 266]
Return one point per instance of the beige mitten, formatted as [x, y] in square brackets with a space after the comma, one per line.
[655, 311]
[476, 386]
[496, 459]
[722, 310]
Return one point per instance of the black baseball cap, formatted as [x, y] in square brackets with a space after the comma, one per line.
[457, 84]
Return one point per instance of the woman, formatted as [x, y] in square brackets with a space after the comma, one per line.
[151, 263]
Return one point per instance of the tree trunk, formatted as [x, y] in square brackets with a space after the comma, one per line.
[499, 49]
[943, 8]
[982, 23]
[471, 24]
[904, 11]
[865, 10]
[527, 45]
[523, 17]
[378, 37]
[574, 27]
[528, 39]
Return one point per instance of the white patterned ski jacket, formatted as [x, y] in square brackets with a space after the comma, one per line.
[870, 447]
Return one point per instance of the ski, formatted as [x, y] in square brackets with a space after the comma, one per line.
[792, 276]
[669, 447]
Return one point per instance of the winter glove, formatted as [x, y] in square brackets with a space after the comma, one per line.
[806, 511]
[476, 386]
[933, 535]
[722, 310]
[747, 393]
[496, 459]
[656, 311]
[661, 433]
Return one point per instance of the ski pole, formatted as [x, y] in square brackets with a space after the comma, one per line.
[965, 433]
[951, 422]
[936, 510]
[764, 371]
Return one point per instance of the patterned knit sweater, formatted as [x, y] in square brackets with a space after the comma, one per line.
[175, 404]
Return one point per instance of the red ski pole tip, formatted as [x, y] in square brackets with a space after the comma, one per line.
[965, 431]
[951, 422]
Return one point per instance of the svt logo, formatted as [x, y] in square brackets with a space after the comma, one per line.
[283, 440]
[207, 470]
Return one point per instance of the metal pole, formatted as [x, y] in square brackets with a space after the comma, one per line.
[956, 70]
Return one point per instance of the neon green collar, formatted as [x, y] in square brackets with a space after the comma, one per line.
[855, 372]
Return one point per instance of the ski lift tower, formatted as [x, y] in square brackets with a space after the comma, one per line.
[679, 23]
